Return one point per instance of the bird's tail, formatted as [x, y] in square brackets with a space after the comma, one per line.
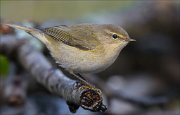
[27, 29]
[32, 31]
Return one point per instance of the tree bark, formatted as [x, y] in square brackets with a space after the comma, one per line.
[33, 61]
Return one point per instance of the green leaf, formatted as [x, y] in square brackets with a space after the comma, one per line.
[4, 65]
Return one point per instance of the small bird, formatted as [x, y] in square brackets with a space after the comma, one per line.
[83, 48]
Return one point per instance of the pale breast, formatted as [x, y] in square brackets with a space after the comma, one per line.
[82, 61]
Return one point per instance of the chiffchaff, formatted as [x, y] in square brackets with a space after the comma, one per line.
[83, 48]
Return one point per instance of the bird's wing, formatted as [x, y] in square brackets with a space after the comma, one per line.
[79, 37]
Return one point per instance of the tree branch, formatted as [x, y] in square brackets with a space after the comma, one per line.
[75, 93]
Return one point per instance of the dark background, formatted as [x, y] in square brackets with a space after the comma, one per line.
[149, 67]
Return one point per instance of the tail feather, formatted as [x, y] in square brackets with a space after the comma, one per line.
[32, 31]
[27, 29]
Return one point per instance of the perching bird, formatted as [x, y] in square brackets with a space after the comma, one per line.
[83, 48]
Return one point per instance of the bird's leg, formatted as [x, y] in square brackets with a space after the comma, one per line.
[80, 78]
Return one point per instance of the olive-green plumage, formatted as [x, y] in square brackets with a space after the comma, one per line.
[83, 48]
[76, 36]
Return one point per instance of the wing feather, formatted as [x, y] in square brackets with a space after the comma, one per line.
[79, 37]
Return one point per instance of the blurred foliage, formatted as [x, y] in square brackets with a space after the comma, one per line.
[4, 65]
[45, 10]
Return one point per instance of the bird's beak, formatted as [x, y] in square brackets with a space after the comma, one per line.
[131, 40]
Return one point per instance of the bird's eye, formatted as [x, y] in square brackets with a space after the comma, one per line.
[115, 36]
